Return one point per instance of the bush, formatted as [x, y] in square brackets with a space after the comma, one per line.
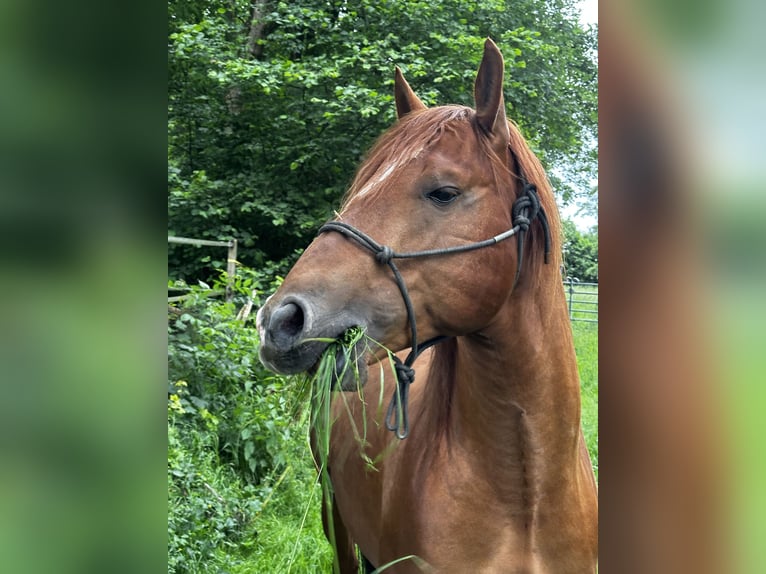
[580, 253]
[235, 435]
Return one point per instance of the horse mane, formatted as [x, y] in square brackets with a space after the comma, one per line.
[441, 376]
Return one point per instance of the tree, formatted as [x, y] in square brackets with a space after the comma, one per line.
[580, 253]
[272, 103]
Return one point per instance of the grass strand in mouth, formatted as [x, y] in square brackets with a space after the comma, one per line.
[320, 386]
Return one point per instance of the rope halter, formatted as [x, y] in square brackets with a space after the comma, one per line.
[525, 209]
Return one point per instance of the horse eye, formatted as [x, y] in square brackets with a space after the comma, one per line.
[443, 195]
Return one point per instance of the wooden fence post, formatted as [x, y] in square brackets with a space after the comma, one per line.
[231, 260]
[231, 268]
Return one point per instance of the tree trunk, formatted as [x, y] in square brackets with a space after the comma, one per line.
[257, 25]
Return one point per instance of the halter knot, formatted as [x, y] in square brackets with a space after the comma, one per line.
[385, 255]
[405, 374]
[521, 222]
[526, 209]
[529, 202]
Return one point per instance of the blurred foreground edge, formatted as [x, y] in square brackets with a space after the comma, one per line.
[658, 431]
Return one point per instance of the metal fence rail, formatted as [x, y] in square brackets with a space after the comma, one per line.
[582, 300]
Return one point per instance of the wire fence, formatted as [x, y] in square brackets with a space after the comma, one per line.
[582, 300]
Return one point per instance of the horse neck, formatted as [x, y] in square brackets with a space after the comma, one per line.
[516, 398]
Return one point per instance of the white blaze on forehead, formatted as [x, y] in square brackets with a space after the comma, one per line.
[377, 180]
[381, 176]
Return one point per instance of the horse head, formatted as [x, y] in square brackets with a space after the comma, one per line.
[438, 179]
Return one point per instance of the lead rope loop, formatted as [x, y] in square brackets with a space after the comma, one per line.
[397, 418]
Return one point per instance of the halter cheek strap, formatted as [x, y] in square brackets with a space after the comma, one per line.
[526, 208]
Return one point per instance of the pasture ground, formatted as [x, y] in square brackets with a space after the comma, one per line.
[586, 347]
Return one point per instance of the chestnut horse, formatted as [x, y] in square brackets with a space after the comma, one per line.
[494, 475]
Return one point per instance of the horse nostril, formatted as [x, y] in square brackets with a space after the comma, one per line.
[286, 324]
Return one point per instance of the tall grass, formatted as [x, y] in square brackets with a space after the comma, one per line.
[288, 534]
[325, 379]
[586, 348]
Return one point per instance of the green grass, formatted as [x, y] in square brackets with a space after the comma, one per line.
[586, 348]
[289, 536]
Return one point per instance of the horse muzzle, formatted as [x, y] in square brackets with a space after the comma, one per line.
[294, 334]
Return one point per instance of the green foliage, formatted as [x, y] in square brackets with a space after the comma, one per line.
[272, 103]
[237, 448]
[580, 253]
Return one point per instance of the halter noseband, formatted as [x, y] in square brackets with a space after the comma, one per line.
[525, 209]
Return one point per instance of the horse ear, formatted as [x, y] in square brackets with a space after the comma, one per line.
[406, 100]
[488, 94]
